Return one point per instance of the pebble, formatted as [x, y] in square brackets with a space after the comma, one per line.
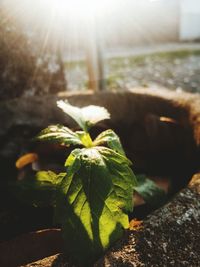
[180, 74]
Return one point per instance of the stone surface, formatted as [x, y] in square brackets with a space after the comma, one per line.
[29, 247]
[135, 117]
[170, 235]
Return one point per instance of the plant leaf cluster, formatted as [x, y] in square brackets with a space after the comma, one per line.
[38, 190]
[152, 194]
[95, 195]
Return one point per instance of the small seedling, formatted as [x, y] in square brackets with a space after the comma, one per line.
[95, 194]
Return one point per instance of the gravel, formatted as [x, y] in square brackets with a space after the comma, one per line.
[175, 70]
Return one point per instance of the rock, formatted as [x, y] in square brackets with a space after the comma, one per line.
[135, 117]
[29, 247]
[170, 235]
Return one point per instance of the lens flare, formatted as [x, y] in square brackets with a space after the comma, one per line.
[78, 10]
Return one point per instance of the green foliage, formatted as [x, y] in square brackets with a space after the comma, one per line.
[94, 199]
[152, 194]
[111, 139]
[95, 195]
[59, 134]
[39, 190]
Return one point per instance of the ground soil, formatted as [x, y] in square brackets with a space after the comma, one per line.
[172, 66]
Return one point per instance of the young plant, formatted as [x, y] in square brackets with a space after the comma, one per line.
[95, 195]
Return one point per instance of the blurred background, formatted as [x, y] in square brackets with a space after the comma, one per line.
[49, 46]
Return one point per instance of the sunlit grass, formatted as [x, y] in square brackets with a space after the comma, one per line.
[140, 59]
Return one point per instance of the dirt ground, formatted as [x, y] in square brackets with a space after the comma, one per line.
[176, 67]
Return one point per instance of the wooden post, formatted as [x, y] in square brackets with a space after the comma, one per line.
[94, 59]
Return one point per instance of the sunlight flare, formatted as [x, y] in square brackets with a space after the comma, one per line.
[78, 10]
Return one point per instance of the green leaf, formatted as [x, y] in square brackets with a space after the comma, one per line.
[152, 194]
[110, 138]
[49, 177]
[122, 176]
[59, 134]
[85, 117]
[40, 190]
[93, 202]
[85, 138]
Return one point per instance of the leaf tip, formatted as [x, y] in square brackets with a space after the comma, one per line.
[62, 104]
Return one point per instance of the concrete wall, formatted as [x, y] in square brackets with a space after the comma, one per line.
[133, 22]
[190, 20]
[143, 22]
